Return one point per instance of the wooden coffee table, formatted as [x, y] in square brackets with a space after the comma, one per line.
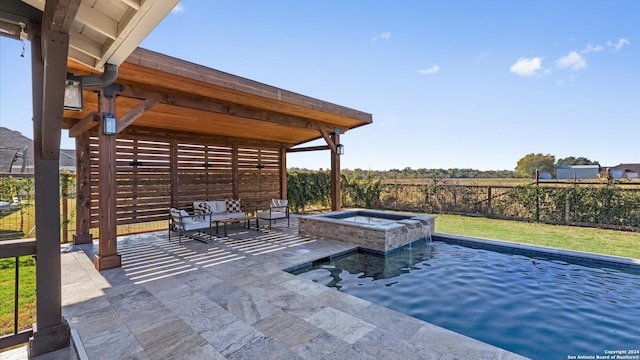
[235, 220]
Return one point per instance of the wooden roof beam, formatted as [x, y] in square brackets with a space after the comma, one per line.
[309, 148]
[206, 138]
[56, 22]
[89, 121]
[329, 140]
[136, 112]
[224, 107]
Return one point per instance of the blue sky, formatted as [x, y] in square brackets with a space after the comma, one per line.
[466, 84]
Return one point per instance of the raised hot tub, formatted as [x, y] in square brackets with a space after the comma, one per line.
[376, 230]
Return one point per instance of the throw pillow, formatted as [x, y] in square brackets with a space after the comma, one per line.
[204, 207]
[233, 205]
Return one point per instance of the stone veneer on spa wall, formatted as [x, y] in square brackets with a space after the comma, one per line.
[381, 231]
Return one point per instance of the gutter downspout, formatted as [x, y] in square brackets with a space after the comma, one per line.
[105, 79]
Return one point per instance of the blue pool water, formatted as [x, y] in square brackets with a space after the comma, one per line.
[537, 307]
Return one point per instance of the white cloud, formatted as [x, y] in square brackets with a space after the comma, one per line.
[527, 67]
[617, 46]
[432, 70]
[572, 61]
[178, 9]
[384, 36]
[590, 48]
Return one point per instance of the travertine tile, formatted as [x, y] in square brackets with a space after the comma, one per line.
[232, 337]
[340, 324]
[328, 347]
[287, 329]
[170, 340]
[453, 345]
[114, 343]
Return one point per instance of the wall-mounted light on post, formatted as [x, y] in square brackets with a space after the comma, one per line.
[340, 149]
[73, 93]
[110, 124]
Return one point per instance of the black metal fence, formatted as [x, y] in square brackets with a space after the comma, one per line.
[13, 254]
[596, 205]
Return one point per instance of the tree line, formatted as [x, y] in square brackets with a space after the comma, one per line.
[525, 168]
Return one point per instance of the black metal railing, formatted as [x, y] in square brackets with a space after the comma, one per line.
[16, 249]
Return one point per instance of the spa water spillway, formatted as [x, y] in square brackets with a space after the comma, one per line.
[380, 231]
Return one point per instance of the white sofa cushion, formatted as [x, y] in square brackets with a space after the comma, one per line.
[219, 205]
[186, 219]
[272, 215]
[196, 225]
[210, 207]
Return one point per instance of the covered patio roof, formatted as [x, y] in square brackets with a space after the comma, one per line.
[172, 94]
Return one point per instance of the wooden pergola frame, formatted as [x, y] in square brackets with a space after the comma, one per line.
[176, 101]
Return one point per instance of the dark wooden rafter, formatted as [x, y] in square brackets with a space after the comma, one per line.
[58, 16]
[141, 130]
[138, 111]
[10, 30]
[329, 140]
[309, 148]
[56, 22]
[87, 123]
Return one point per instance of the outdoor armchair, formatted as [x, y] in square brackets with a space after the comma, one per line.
[278, 209]
[180, 221]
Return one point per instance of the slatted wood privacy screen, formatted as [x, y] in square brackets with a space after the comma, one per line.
[204, 173]
[258, 176]
[156, 174]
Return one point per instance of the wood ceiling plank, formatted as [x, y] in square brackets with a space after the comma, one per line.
[97, 21]
[85, 45]
[134, 4]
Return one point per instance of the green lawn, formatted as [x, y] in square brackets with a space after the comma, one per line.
[594, 240]
[27, 291]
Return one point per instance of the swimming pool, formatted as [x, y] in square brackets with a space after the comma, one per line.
[537, 306]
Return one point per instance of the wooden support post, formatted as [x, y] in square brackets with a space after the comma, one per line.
[567, 207]
[489, 201]
[51, 331]
[107, 256]
[173, 154]
[65, 209]
[283, 173]
[335, 173]
[83, 191]
[234, 171]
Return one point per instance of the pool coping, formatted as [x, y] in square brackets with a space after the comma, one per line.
[578, 257]
[582, 257]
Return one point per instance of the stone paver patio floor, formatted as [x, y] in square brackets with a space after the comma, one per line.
[230, 299]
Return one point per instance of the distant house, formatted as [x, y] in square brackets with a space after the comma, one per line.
[16, 154]
[577, 172]
[629, 171]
